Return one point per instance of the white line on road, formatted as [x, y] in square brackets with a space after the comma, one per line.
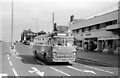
[3, 74]
[14, 72]
[59, 71]
[8, 58]
[86, 71]
[99, 69]
[10, 63]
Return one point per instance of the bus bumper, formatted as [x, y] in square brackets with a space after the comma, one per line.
[63, 60]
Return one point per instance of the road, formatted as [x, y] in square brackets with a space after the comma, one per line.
[21, 62]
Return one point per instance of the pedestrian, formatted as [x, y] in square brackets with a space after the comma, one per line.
[87, 47]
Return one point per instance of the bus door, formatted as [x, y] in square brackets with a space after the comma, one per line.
[49, 48]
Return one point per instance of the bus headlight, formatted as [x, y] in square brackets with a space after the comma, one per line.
[74, 53]
[54, 53]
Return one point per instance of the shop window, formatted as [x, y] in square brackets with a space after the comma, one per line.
[110, 43]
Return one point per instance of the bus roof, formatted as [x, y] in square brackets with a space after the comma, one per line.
[54, 35]
[64, 36]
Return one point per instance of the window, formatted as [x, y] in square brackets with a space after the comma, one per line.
[111, 22]
[82, 29]
[90, 28]
[86, 29]
[93, 27]
[73, 31]
[77, 30]
[98, 26]
[102, 25]
[114, 22]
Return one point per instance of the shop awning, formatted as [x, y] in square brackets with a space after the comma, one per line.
[112, 27]
[108, 38]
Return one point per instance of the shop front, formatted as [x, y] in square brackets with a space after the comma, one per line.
[90, 44]
[108, 44]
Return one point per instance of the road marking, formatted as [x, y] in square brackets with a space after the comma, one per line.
[18, 57]
[59, 71]
[99, 69]
[35, 70]
[14, 72]
[87, 71]
[13, 51]
[10, 63]
[8, 58]
[3, 74]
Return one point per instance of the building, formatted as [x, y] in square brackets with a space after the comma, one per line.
[60, 28]
[41, 33]
[100, 33]
[27, 36]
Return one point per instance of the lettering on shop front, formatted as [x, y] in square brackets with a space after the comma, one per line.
[88, 34]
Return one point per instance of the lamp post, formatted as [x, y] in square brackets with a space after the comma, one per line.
[12, 23]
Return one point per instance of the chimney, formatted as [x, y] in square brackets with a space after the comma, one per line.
[71, 18]
[55, 28]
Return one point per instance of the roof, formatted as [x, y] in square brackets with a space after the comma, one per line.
[95, 20]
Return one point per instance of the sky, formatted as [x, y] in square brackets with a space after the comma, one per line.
[35, 14]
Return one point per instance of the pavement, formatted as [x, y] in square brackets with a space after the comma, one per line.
[106, 59]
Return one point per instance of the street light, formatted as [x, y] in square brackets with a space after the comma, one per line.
[12, 23]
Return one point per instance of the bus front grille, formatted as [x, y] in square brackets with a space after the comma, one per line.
[64, 55]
